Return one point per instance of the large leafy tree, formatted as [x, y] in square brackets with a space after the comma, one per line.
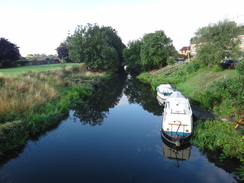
[114, 41]
[217, 41]
[132, 56]
[9, 53]
[156, 48]
[100, 48]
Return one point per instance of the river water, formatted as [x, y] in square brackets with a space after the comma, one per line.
[112, 138]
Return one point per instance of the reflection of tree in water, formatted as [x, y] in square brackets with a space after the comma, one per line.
[228, 164]
[140, 93]
[94, 110]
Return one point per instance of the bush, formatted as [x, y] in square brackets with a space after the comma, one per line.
[207, 99]
[240, 67]
[191, 67]
[23, 62]
[224, 97]
[170, 61]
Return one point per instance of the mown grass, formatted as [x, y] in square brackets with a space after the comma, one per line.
[33, 101]
[35, 68]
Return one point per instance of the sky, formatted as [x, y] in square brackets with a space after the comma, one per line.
[39, 26]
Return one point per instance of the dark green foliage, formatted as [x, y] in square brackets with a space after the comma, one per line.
[219, 135]
[114, 41]
[63, 52]
[100, 48]
[224, 97]
[217, 41]
[240, 67]
[156, 48]
[170, 61]
[151, 52]
[23, 62]
[207, 100]
[9, 53]
[191, 67]
[132, 57]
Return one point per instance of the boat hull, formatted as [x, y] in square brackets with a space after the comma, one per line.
[178, 139]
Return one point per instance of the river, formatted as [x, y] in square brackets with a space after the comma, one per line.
[114, 137]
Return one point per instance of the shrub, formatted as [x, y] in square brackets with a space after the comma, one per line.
[170, 61]
[224, 97]
[191, 67]
[23, 62]
[240, 67]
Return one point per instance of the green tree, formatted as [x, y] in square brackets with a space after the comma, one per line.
[215, 42]
[156, 48]
[132, 56]
[100, 48]
[63, 52]
[9, 53]
[114, 41]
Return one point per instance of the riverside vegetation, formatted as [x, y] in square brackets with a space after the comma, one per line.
[31, 102]
[224, 98]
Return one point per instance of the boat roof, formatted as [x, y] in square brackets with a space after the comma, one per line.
[178, 104]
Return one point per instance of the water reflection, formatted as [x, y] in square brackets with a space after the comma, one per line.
[142, 94]
[96, 108]
[177, 154]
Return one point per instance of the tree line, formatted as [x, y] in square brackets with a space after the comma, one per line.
[101, 48]
[214, 43]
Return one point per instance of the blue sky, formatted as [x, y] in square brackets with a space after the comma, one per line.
[39, 26]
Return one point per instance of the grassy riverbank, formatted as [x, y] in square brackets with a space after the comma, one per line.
[223, 96]
[33, 101]
[208, 89]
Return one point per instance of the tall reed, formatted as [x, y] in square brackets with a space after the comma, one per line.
[22, 94]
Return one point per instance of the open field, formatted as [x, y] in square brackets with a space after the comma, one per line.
[35, 68]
